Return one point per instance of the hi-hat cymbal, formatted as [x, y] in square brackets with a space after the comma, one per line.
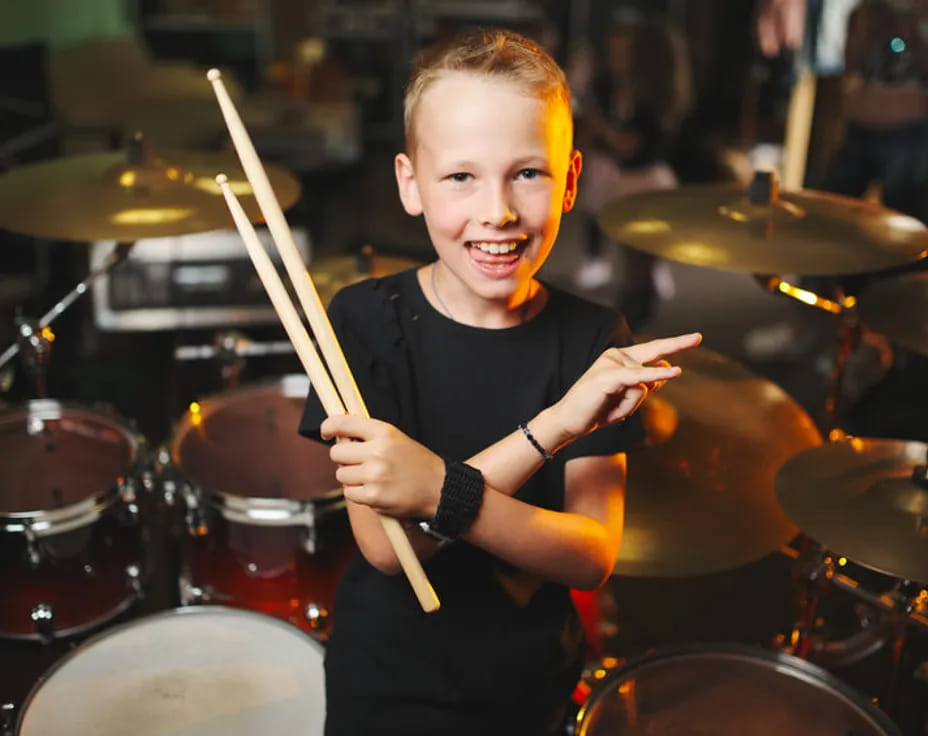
[101, 196]
[700, 493]
[804, 232]
[858, 498]
[898, 308]
[332, 273]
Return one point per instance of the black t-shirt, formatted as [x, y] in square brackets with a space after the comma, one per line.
[484, 663]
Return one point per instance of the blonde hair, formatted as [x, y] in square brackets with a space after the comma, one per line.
[490, 52]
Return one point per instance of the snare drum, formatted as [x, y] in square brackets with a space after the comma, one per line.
[266, 519]
[727, 691]
[204, 671]
[70, 539]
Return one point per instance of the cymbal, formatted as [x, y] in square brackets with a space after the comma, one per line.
[857, 497]
[101, 196]
[898, 308]
[802, 232]
[333, 273]
[700, 495]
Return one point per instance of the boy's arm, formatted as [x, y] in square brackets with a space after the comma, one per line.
[389, 472]
[576, 547]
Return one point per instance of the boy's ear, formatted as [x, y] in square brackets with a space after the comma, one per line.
[406, 183]
[573, 175]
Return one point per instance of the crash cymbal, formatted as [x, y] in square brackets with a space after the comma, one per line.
[700, 495]
[101, 196]
[898, 308]
[804, 232]
[858, 498]
[332, 273]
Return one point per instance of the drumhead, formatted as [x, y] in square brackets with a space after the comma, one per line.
[727, 691]
[202, 671]
[245, 443]
[53, 456]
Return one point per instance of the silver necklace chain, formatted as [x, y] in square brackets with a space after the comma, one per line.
[438, 296]
[441, 302]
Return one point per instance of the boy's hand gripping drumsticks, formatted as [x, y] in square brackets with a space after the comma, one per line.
[344, 393]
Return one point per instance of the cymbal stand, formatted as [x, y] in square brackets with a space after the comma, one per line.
[34, 337]
[890, 615]
[230, 349]
[847, 340]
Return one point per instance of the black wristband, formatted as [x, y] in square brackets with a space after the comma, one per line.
[461, 498]
[535, 443]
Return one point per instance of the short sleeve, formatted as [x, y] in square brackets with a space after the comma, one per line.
[357, 316]
[620, 437]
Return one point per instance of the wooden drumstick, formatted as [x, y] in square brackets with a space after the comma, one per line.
[283, 239]
[321, 382]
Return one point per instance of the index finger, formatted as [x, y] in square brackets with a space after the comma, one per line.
[646, 352]
[348, 426]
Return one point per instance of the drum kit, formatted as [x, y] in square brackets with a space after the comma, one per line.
[245, 514]
[732, 471]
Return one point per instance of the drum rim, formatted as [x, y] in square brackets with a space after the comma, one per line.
[236, 507]
[48, 522]
[150, 618]
[807, 670]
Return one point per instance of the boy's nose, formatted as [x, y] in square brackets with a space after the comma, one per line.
[497, 209]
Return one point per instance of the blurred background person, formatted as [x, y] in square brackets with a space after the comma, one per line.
[633, 92]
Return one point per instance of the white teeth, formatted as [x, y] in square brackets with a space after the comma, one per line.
[497, 248]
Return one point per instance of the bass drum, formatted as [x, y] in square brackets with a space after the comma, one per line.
[727, 691]
[206, 671]
[267, 527]
[70, 537]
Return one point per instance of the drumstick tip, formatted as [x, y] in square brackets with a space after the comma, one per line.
[222, 179]
[213, 75]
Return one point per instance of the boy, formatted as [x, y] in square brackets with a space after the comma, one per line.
[450, 358]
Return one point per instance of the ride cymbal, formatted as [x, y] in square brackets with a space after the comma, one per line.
[858, 497]
[898, 308]
[102, 196]
[804, 232]
[700, 493]
[332, 273]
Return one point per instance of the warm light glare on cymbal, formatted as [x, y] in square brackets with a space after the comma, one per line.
[809, 297]
[239, 187]
[647, 227]
[695, 252]
[904, 222]
[842, 561]
[47, 334]
[127, 179]
[735, 215]
[151, 216]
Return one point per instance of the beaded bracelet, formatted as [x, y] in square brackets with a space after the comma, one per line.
[461, 498]
[535, 443]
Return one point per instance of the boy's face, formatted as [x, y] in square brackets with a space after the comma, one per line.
[492, 173]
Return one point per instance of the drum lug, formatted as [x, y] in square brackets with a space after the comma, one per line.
[309, 532]
[43, 616]
[33, 549]
[7, 718]
[197, 524]
[192, 595]
[317, 616]
[134, 579]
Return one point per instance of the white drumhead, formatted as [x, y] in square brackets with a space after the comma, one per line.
[207, 671]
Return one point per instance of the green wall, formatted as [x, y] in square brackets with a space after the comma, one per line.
[62, 22]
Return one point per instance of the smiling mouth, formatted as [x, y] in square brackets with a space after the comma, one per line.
[498, 247]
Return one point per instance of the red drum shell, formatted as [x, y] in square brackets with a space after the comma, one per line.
[268, 530]
[68, 540]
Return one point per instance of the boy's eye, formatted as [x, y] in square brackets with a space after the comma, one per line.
[530, 173]
[459, 177]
